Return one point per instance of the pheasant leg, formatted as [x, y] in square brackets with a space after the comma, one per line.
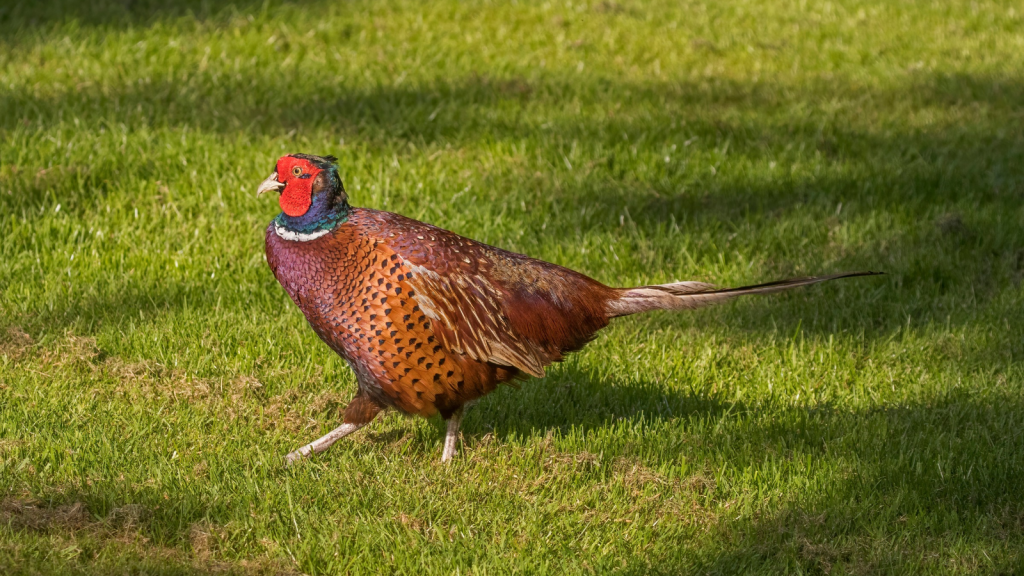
[323, 443]
[359, 412]
[452, 436]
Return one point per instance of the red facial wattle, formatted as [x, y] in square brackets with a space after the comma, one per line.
[297, 195]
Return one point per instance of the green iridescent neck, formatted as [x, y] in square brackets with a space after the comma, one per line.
[314, 220]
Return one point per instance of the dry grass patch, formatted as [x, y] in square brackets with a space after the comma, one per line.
[74, 530]
[15, 342]
[29, 515]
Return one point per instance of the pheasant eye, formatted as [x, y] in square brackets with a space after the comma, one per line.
[297, 171]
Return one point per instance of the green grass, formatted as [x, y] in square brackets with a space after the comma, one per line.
[153, 373]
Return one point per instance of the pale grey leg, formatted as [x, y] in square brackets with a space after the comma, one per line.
[323, 443]
[452, 436]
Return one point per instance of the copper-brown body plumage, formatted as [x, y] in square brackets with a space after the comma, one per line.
[421, 314]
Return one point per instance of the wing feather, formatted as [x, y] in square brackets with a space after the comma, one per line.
[470, 319]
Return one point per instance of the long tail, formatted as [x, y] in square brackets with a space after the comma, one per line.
[690, 295]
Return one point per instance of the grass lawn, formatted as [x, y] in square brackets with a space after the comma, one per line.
[153, 373]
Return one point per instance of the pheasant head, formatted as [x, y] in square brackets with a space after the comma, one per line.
[312, 199]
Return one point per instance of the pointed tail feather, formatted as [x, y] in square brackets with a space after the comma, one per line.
[690, 295]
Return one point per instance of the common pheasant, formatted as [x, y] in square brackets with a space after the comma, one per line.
[428, 320]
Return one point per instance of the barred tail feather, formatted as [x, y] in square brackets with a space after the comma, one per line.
[690, 295]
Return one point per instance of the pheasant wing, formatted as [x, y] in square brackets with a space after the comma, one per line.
[456, 284]
[468, 311]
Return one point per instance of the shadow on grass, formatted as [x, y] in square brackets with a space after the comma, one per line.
[928, 169]
[131, 302]
[885, 489]
[21, 15]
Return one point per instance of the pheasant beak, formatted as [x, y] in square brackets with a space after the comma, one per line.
[269, 184]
